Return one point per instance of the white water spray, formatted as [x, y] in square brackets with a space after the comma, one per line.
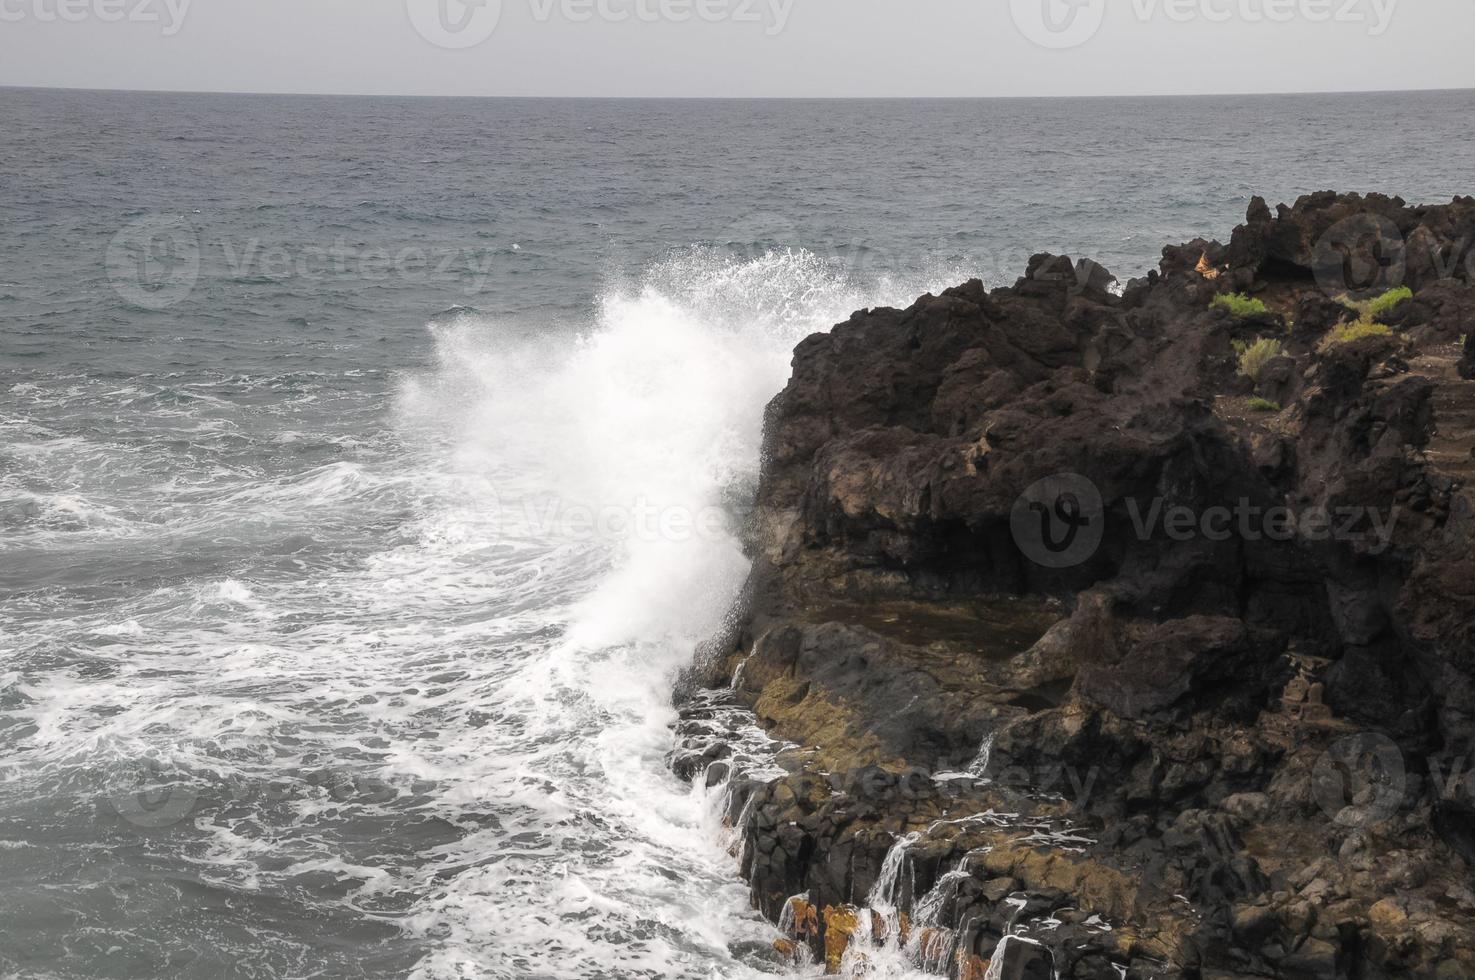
[626, 447]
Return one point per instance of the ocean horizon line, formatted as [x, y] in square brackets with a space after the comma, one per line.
[747, 98]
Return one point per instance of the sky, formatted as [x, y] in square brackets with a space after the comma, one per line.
[739, 48]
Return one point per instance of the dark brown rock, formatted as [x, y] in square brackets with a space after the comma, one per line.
[1240, 612]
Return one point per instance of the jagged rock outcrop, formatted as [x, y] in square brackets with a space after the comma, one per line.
[1236, 604]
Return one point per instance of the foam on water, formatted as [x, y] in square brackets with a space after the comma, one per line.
[420, 694]
[656, 411]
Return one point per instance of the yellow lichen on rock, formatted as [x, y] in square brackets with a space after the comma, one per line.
[806, 919]
[840, 924]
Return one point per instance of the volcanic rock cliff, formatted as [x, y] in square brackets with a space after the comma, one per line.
[1123, 635]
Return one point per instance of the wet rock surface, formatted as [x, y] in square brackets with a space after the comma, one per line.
[1088, 652]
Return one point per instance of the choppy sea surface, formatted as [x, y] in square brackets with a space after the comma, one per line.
[368, 468]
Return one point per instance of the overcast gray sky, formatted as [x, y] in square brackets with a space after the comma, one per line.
[740, 47]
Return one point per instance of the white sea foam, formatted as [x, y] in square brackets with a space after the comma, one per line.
[660, 405]
[456, 727]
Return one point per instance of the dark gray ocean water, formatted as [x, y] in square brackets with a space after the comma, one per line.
[365, 468]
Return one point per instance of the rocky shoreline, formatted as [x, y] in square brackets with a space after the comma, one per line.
[1108, 635]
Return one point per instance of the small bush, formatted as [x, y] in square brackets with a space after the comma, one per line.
[1238, 304]
[1372, 309]
[1263, 405]
[1254, 357]
[1345, 333]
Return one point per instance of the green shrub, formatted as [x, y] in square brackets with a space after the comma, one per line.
[1263, 405]
[1372, 309]
[1254, 357]
[1238, 304]
[1345, 333]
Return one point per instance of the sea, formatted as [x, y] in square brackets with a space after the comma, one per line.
[370, 468]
